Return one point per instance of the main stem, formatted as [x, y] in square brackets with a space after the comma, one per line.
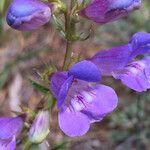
[27, 145]
[70, 30]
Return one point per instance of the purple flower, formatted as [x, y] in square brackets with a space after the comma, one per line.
[27, 14]
[80, 101]
[135, 75]
[8, 144]
[103, 11]
[10, 128]
[121, 64]
[40, 127]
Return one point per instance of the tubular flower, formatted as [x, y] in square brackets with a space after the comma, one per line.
[27, 14]
[10, 128]
[80, 102]
[40, 127]
[121, 64]
[104, 11]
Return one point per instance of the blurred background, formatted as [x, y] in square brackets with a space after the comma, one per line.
[24, 55]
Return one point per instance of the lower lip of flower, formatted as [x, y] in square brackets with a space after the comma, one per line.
[80, 100]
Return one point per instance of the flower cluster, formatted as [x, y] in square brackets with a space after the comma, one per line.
[82, 102]
[31, 14]
[81, 98]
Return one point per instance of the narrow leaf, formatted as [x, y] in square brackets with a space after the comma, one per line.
[39, 87]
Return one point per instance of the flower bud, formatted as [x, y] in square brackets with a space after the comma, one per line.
[27, 14]
[40, 127]
[104, 11]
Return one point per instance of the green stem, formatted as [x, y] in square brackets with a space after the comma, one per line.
[50, 102]
[67, 59]
[27, 145]
[70, 30]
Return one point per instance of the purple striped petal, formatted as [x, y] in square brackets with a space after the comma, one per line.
[103, 11]
[85, 70]
[136, 75]
[8, 144]
[104, 101]
[27, 14]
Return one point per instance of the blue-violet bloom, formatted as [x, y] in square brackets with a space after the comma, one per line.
[81, 101]
[27, 14]
[122, 62]
[104, 11]
[10, 128]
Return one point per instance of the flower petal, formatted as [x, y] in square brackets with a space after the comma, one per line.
[103, 11]
[27, 14]
[73, 123]
[64, 91]
[10, 126]
[140, 43]
[85, 70]
[56, 81]
[104, 101]
[134, 75]
[147, 67]
[8, 144]
[112, 59]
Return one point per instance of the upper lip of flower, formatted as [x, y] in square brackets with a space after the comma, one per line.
[107, 11]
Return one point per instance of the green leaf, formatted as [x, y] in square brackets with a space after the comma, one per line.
[39, 87]
[58, 23]
[51, 101]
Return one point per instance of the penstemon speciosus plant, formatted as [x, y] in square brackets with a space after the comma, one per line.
[81, 99]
